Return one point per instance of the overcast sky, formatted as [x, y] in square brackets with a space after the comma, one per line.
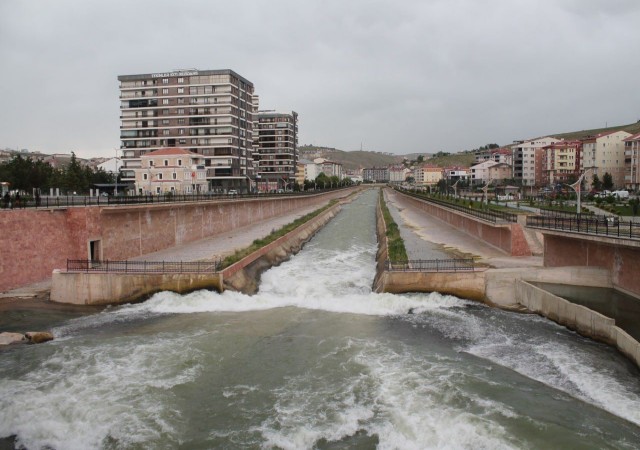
[399, 76]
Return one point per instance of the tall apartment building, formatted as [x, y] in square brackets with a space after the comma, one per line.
[208, 112]
[276, 150]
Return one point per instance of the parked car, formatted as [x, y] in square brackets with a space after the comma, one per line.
[232, 192]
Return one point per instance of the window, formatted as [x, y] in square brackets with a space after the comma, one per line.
[181, 111]
[150, 163]
[159, 176]
[165, 91]
[181, 101]
[158, 190]
[166, 162]
[165, 132]
[180, 80]
[180, 90]
[165, 112]
[179, 162]
[181, 131]
[174, 176]
[165, 101]
[181, 122]
[165, 121]
[144, 176]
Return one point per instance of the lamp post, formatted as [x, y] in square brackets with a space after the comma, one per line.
[577, 187]
[117, 172]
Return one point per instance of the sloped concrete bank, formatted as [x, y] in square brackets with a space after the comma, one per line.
[244, 276]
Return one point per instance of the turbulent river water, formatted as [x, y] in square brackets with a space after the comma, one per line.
[316, 360]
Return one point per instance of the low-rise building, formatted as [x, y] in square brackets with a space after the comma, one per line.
[376, 174]
[171, 170]
[632, 162]
[562, 162]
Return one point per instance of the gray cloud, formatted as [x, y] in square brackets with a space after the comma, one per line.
[403, 76]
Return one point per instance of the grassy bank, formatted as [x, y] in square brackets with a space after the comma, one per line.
[397, 251]
[259, 243]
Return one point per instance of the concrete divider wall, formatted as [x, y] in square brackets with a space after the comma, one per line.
[500, 283]
[115, 288]
[35, 242]
[507, 237]
[577, 317]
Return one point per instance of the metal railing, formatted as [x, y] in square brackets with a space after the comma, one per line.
[598, 225]
[484, 214]
[432, 265]
[87, 265]
[79, 200]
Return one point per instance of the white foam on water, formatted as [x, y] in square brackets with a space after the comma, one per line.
[400, 398]
[552, 359]
[83, 396]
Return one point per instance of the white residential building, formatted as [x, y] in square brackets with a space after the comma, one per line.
[528, 159]
[604, 153]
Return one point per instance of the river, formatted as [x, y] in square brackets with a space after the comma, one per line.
[316, 360]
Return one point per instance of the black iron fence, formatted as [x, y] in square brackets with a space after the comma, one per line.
[598, 225]
[81, 200]
[484, 214]
[432, 265]
[87, 265]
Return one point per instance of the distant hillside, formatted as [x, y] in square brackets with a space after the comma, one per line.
[463, 159]
[350, 160]
[632, 128]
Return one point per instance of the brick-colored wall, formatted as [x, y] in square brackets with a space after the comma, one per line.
[623, 262]
[35, 242]
[507, 237]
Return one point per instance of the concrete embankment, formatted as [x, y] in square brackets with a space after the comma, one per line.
[577, 317]
[244, 276]
[511, 289]
[461, 284]
[37, 241]
[116, 288]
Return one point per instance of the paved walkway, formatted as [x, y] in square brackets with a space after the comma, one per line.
[426, 233]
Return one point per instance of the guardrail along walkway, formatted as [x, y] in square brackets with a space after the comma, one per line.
[432, 265]
[87, 265]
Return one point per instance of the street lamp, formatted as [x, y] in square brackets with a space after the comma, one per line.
[577, 187]
[117, 172]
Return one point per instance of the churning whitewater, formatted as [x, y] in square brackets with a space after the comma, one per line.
[316, 360]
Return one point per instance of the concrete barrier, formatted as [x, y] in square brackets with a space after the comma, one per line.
[577, 317]
[97, 288]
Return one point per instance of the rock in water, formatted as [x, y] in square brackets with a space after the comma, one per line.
[38, 337]
[11, 338]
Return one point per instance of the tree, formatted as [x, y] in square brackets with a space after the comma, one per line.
[420, 159]
[607, 181]
[74, 178]
[322, 180]
[596, 183]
